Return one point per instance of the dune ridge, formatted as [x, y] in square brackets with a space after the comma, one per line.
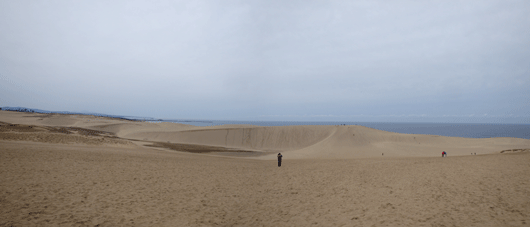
[332, 141]
[281, 138]
[299, 142]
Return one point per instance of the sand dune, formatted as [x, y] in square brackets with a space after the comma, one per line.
[362, 142]
[255, 138]
[64, 135]
[331, 141]
[73, 185]
[75, 170]
[298, 141]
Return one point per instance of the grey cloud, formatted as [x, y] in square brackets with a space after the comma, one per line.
[235, 59]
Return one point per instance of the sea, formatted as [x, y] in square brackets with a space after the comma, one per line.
[468, 130]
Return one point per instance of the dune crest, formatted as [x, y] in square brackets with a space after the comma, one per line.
[297, 142]
[256, 138]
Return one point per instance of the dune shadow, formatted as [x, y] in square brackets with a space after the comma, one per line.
[205, 149]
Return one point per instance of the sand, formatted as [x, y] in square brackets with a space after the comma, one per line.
[106, 175]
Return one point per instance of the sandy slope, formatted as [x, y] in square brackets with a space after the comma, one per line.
[47, 184]
[73, 170]
[298, 141]
[251, 137]
[331, 141]
[361, 142]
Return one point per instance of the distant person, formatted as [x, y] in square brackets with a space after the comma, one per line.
[280, 159]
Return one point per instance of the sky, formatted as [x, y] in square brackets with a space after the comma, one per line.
[375, 61]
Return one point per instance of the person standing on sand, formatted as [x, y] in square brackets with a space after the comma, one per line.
[280, 159]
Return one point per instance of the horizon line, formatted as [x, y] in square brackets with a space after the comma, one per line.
[142, 118]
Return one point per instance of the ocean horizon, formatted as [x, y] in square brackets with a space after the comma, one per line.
[466, 130]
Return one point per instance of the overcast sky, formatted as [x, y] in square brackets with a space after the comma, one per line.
[383, 61]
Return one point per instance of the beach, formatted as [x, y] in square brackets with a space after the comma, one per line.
[77, 170]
